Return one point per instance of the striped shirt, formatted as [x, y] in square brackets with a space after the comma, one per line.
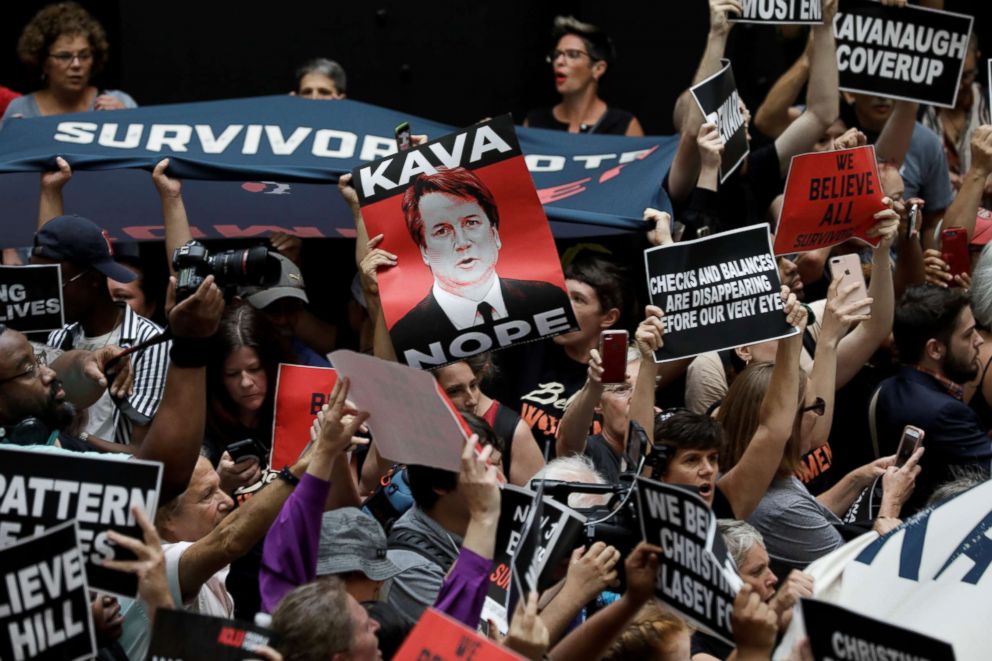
[149, 365]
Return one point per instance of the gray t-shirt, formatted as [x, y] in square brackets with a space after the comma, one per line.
[796, 527]
[925, 171]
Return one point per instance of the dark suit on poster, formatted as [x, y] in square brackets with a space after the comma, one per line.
[427, 322]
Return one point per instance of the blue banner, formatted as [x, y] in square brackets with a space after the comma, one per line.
[253, 166]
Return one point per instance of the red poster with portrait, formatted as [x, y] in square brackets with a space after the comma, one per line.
[477, 269]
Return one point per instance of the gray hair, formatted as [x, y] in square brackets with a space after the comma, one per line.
[740, 536]
[576, 468]
[981, 288]
[325, 67]
[963, 478]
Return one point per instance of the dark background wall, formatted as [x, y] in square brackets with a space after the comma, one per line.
[450, 60]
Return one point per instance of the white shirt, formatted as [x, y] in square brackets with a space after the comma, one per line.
[464, 312]
[100, 421]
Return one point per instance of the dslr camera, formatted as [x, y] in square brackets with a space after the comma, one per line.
[231, 268]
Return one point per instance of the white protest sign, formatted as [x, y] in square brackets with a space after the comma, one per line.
[411, 420]
[930, 575]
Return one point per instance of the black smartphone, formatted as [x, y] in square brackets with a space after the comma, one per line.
[404, 139]
[245, 450]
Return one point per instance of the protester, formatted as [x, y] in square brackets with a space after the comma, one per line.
[322, 79]
[66, 46]
[581, 56]
[94, 319]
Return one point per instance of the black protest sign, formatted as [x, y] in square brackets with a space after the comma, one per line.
[555, 534]
[801, 12]
[717, 292]
[31, 297]
[41, 489]
[838, 633]
[720, 104]
[179, 634]
[912, 53]
[44, 599]
[690, 579]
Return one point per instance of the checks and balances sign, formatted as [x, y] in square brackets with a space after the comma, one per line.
[717, 292]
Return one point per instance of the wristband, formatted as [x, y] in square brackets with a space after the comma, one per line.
[810, 315]
[287, 476]
[189, 351]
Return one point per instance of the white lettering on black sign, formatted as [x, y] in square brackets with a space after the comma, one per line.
[44, 601]
[809, 12]
[39, 490]
[717, 292]
[911, 53]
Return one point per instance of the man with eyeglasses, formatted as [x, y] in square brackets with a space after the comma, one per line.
[94, 320]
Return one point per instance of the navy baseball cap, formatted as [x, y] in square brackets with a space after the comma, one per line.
[80, 241]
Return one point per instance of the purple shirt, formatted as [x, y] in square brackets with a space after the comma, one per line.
[464, 589]
[289, 557]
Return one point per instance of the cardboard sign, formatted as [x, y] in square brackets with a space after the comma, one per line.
[39, 490]
[31, 297]
[44, 599]
[410, 417]
[691, 579]
[772, 12]
[438, 637]
[830, 197]
[477, 267]
[912, 53]
[720, 104]
[179, 634]
[717, 292]
[839, 633]
[300, 393]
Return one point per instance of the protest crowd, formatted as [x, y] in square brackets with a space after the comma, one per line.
[490, 439]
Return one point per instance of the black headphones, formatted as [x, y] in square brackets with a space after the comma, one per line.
[29, 431]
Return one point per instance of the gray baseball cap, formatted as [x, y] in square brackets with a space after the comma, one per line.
[351, 540]
[290, 285]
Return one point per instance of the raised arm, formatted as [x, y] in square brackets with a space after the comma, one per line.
[897, 134]
[176, 431]
[373, 259]
[594, 637]
[685, 165]
[822, 94]
[776, 112]
[964, 208]
[649, 339]
[573, 429]
[50, 203]
[838, 315]
[859, 345]
[289, 557]
[177, 231]
[746, 483]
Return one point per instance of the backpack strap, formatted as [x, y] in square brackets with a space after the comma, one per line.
[410, 540]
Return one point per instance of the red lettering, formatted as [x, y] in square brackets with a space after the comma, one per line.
[156, 232]
[555, 193]
[236, 232]
[231, 637]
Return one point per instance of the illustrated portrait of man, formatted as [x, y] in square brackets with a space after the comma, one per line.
[453, 218]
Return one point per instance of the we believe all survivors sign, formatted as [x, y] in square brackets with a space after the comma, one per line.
[717, 292]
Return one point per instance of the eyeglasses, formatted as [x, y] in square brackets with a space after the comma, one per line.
[38, 361]
[819, 407]
[65, 58]
[74, 278]
[571, 54]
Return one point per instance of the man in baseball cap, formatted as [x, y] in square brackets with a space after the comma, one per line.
[284, 303]
[94, 320]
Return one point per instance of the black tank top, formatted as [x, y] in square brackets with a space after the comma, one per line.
[613, 122]
[978, 403]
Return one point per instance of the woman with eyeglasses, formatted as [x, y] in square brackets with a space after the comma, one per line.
[65, 46]
[580, 57]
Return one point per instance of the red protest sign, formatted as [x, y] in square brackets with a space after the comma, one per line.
[437, 636]
[300, 392]
[830, 197]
